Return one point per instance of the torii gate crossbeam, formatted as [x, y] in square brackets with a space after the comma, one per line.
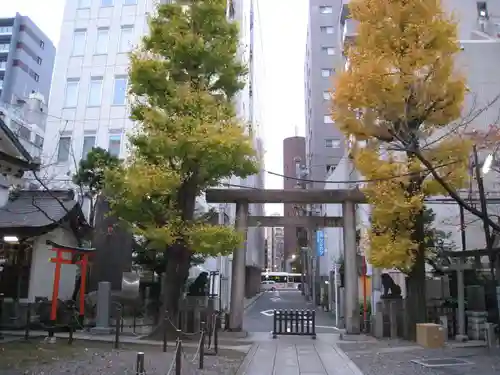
[243, 197]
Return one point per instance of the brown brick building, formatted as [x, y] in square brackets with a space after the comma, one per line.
[294, 159]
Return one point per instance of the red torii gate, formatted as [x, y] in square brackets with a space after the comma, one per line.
[78, 256]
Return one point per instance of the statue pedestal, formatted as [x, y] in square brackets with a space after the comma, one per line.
[392, 311]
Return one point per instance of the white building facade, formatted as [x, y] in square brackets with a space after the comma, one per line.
[88, 106]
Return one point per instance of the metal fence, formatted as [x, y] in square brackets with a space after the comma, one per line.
[294, 323]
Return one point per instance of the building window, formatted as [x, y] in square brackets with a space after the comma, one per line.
[4, 47]
[42, 44]
[129, 2]
[38, 141]
[332, 143]
[39, 60]
[126, 38]
[327, 29]
[79, 41]
[327, 119]
[34, 75]
[101, 46]
[71, 97]
[63, 149]
[88, 144]
[82, 4]
[6, 30]
[95, 91]
[114, 144]
[330, 51]
[24, 133]
[106, 3]
[326, 95]
[326, 72]
[325, 10]
[120, 90]
[482, 10]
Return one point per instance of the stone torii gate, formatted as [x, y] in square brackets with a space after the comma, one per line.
[243, 197]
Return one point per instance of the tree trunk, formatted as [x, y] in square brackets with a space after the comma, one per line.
[415, 282]
[176, 274]
[178, 259]
[178, 262]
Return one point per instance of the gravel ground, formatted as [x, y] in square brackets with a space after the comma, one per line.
[89, 358]
[394, 358]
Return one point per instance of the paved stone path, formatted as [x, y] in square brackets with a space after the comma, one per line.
[395, 357]
[284, 357]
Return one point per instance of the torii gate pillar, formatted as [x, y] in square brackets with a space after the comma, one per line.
[243, 197]
[238, 271]
[352, 316]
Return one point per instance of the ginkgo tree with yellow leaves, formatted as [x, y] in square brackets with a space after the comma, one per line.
[400, 100]
[183, 80]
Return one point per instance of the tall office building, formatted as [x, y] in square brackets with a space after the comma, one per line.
[294, 162]
[324, 143]
[89, 105]
[26, 60]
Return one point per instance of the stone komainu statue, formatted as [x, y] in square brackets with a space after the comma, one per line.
[391, 289]
[199, 286]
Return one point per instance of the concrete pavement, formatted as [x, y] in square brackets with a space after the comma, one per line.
[292, 355]
[259, 318]
[297, 357]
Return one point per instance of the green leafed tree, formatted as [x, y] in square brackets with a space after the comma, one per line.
[90, 175]
[183, 80]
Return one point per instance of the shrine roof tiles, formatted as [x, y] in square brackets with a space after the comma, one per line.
[36, 209]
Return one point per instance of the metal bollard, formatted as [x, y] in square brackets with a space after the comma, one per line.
[70, 338]
[139, 364]
[313, 316]
[165, 325]
[28, 323]
[117, 327]
[178, 354]
[202, 346]
[1, 315]
[275, 321]
[216, 334]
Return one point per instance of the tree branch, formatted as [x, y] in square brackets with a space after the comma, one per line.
[452, 193]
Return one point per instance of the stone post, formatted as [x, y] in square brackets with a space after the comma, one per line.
[378, 321]
[103, 306]
[352, 316]
[393, 318]
[461, 306]
[238, 271]
[459, 267]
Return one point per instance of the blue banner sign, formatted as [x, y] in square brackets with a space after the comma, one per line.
[320, 243]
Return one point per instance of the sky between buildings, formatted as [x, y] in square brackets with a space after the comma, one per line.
[279, 63]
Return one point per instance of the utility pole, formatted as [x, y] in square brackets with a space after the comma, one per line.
[486, 226]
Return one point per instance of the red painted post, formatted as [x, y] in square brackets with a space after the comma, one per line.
[83, 281]
[55, 288]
